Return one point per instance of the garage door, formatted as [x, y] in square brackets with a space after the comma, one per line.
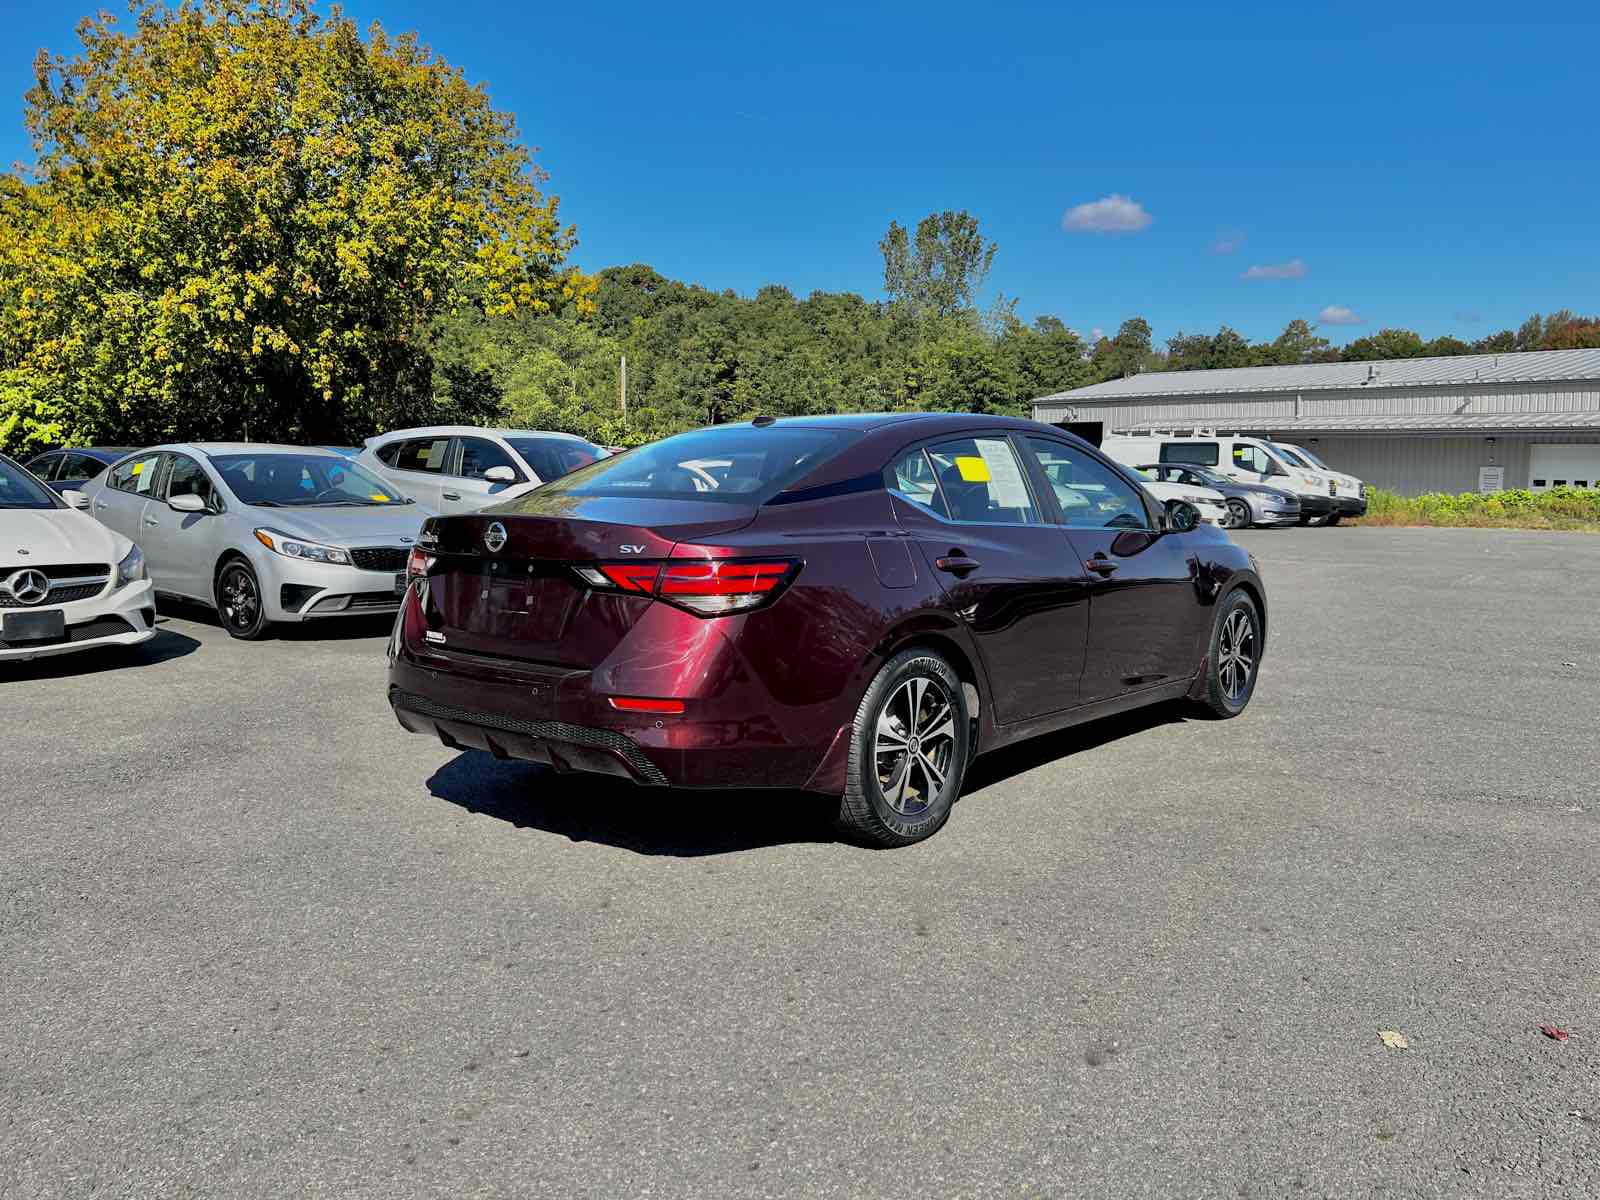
[1552, 466]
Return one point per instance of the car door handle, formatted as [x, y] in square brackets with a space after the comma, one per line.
[450, 495]
[1101, 565]
[957, 564]
[101, 504]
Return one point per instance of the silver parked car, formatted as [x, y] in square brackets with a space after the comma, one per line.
[461, 468]
[262, 533]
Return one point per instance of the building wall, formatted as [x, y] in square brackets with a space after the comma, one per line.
[1413, 465]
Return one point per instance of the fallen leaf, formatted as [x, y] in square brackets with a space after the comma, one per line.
[1393, 1040]
[1554, 1034]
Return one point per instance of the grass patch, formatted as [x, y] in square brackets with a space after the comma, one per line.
[1566, 508]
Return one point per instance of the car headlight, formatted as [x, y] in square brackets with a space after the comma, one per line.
[1263, 497]
[292, 547]
[131, 569]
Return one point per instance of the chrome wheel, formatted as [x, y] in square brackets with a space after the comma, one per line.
[914, 745]
[1236, 655]
[241, 599]
[1238, 515]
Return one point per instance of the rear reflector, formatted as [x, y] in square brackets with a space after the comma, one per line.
[639, 704]
[417, 564]
[706, 586]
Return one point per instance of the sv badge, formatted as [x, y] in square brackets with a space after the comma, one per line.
[632, 549]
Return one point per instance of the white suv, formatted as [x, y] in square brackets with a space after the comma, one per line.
[1247, 460]
[1350, 499]
[461, 468]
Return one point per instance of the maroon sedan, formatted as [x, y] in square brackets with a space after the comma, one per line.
[855, 605]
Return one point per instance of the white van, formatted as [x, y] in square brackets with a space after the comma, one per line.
[1248, 460]
[1350, 499]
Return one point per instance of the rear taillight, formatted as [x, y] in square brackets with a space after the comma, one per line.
[709, 587]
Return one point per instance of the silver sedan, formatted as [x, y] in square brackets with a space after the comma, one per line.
[262, 533]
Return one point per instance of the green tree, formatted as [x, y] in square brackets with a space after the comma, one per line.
[1386, 343]
[943, 270]
[1298, 343]
[244, 215]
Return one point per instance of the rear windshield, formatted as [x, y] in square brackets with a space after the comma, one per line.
[551, 458]
[731, 463]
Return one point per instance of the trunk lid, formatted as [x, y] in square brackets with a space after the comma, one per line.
[524, 601]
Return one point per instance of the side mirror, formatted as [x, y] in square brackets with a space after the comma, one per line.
[500, 475]
[75, 499]
[1182, 516]
[189, 503]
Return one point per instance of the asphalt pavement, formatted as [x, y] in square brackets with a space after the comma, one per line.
[257, 941]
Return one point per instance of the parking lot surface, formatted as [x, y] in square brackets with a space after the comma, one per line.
[257, 941]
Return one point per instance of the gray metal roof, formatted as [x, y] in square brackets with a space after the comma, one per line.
[1426, 423]
[1462, 369]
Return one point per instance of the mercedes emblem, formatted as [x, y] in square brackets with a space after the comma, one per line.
[29, 587]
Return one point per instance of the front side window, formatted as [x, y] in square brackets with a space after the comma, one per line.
[551, 458]
[1091, 494]
[424, 454]
[19, 489]
[479, 456]
[188, 478]
[45, 466]
[1251, 458]
[279, 480]
[982, 481]
[911, 475]
[731, 463]
[1203, 454]
[136, 475]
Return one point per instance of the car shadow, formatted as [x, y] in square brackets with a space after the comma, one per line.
[679, 823]
[995, 768]
[327, 629]
[167, 645]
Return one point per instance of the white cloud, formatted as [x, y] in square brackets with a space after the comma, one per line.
[1228, 243]
[1096, 334]
[1293, 269]
[1338, 314]
[1113, 214]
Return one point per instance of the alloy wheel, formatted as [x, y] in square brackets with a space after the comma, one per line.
[1236, 654]
[1238, 514]
[914, 745]
[241, 601]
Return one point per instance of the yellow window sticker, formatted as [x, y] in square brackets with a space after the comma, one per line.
[973, 470]
[137, 467]
[379, 497]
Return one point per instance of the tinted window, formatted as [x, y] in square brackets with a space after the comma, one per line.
[982, 481]
[45, 466]
[425, 454]
[19, 489]
[478, 455]
[80, 466]
[137, 474]
[735, 463]
[187, 478]
[551, 458]
[388, 452]
[1202, 453]
[912, 476]
[1090, 494]
[301, 480]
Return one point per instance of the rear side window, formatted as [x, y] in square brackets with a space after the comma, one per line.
[479, 455]
[982, 482]
[731, 463]
[424, 454]
[387, 453]
[1202, 454]
[137, 474]
[81, 466]
[44, 467]
[551, 458]
[911, 475]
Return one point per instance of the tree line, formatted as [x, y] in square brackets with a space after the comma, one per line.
[248, 220]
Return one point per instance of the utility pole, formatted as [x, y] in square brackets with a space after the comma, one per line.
[624, 388]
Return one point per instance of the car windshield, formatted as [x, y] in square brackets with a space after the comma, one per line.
[1312, 459]
[18, 489]
[551, 458]
[1292, 458]
[731, 463]
[287, 480]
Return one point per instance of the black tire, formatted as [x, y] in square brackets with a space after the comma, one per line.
[239, 602]
[1238, 514]
[895, 799]
[1335, 518]
[1227, 694]
[1314, 522]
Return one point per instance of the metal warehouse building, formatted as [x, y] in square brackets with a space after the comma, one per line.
[1410, 425]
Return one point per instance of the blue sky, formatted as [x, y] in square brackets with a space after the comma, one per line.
[1428, 166]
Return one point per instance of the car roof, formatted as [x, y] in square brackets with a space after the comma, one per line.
[469, 431]
[212, 449]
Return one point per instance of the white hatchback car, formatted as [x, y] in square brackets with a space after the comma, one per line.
[461, 468]
[66, 581]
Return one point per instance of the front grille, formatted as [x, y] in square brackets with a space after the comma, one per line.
[98, 628]
[61, 570]
[550, 731]
[381, 558]
[58, 595]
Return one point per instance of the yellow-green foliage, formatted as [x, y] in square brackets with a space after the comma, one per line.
[244, 213]
[1518, 508]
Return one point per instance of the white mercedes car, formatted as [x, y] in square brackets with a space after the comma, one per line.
[66, 581]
